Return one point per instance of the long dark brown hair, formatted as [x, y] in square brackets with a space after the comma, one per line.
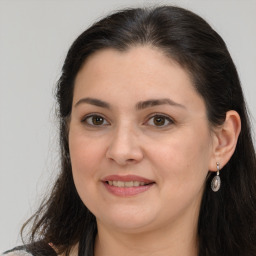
[227, 220]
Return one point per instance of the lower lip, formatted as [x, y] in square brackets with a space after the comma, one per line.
[127, 191]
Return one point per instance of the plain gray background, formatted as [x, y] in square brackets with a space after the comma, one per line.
[34, 38]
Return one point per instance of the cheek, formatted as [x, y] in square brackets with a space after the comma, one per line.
[85, 154]
[184, 159]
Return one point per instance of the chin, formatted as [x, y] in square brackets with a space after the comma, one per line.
[127, 220]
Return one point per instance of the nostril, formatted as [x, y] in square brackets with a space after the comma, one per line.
[124, 154]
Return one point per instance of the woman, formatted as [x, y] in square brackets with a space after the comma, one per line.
[157, 156]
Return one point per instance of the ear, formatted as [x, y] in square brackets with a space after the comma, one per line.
[225, 139]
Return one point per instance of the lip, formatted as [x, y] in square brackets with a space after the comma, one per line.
[126, 178]
[127, 191]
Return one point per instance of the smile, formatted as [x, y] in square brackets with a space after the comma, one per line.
[127, 184]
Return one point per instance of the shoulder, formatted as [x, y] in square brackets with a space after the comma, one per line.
[35, 249]
[17, 251]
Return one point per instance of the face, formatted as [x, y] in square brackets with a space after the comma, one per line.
[140, 143]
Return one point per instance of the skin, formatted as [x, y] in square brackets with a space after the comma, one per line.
[176, 151]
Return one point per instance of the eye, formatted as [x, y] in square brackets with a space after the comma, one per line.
[159, 121]
[95, 120]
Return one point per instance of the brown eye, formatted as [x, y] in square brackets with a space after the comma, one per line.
[95, 120]
[159, 121]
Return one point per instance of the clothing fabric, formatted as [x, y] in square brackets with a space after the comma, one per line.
[17, 252]
[35, 249]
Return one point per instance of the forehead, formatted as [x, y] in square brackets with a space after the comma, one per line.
[145, 62]
[140, 72]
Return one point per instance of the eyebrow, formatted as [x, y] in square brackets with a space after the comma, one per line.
[156, 102]
[95, 102]
[139, 106]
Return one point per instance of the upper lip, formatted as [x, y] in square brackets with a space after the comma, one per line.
[127, 178]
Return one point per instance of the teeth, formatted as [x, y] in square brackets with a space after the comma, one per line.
[129, 184]
[136, 183]
[120, 184]
[115, 183]
[126, 184]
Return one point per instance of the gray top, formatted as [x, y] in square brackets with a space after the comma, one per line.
[34, 249]
[17, 253]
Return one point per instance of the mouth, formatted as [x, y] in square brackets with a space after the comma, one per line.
[129, 185]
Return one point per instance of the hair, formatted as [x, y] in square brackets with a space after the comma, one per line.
[227, 219]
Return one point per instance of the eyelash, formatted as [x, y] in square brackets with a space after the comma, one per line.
[105, 122]
[86, 118]
[163, 117]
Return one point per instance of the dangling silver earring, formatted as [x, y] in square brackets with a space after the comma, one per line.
[215, 185]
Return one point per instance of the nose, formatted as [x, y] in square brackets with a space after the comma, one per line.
[124, 147]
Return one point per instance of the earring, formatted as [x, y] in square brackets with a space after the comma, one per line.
[215, 185]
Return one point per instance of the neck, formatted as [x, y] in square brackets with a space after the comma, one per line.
[178, 240]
